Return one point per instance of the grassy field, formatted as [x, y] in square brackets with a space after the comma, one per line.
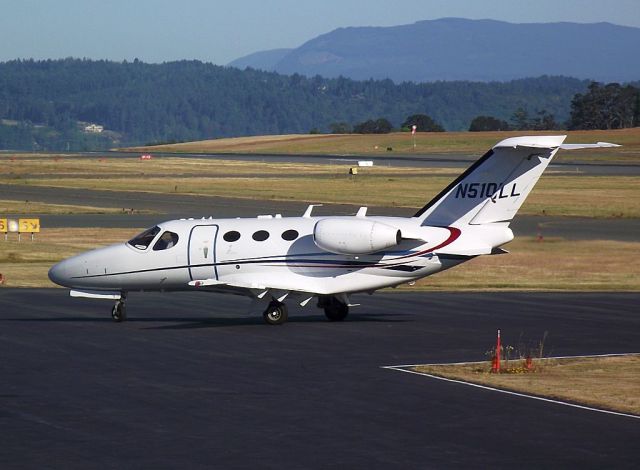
[603, 382]
[553, 264]
[26, 263]
[475, 143]
[531, 265]
[566, 194]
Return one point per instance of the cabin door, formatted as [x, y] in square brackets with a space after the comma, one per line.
[202, 252]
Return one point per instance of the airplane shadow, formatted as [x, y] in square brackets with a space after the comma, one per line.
[183, 324]
[179, 323]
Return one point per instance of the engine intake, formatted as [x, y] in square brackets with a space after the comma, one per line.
[354, 236]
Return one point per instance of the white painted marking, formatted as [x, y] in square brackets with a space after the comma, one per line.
[536, 358]
[402, 368]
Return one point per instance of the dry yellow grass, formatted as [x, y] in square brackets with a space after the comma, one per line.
[549, 265]
[553, 264]
[26, 263]
[474, 143]
[614, 196]
[603, 382]
[22, 169]
[556, 194]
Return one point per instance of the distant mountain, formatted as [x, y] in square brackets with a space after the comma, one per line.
[263, 60]
[461, 49]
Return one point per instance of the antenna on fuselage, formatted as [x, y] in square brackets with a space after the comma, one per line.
[309, 210]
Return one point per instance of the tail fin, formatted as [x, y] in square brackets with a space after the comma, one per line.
[493, 188]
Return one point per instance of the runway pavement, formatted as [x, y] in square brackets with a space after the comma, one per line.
[420, 160]
[191, 381]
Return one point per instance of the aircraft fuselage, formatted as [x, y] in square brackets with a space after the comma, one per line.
[259, 251]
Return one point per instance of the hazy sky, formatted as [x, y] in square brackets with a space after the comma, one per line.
[220, 31]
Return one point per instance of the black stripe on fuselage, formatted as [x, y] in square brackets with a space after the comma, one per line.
[404, 268]
[329, 263]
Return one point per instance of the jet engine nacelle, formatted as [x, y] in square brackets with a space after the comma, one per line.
[354, 236]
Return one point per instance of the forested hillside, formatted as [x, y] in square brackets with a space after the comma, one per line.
[47, 104]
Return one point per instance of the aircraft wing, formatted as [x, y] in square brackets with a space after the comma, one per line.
[279, 292]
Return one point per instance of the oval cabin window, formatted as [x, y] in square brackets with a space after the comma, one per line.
[231, 236]
[261, 235]
[289, 235]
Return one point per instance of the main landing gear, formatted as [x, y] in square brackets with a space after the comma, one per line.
[334, 309]
[119, 310]
[276, 313]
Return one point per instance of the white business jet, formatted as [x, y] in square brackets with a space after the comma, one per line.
[274, 258]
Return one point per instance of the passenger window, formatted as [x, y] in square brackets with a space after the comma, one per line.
[142, 241]
[289, 235]
[231, 236]
[166, 241]
[261, 235]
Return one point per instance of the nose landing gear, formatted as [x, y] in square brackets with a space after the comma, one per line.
[119, 310]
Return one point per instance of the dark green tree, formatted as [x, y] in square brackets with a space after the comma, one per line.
[340, 128]
[520, 119]
[379, 126]
[544, 122]
[488, 123]
[610, 106]
[423, 122]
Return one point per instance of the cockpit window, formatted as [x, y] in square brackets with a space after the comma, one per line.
[142, 241]
[167, 240]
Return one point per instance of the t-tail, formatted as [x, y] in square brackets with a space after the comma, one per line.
[493, 189]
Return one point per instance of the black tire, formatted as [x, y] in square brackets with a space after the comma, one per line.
[119, 312]
[337, 311]
[275, 314]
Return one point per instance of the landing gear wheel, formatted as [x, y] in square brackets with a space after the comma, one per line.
[334, 310]
[119, 311]
[337, 311]
[276, 313]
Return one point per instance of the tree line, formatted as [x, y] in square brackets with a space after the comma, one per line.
[610, 106]
[45, 104]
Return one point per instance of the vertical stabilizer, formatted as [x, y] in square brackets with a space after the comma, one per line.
[493, 189]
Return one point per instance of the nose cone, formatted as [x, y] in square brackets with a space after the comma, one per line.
[59, 273]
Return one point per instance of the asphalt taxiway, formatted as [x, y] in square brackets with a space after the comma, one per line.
[175, 206]
[190, 381]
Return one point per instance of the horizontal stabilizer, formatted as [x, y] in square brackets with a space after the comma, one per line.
[588, 146]
[534, 142]
[467, 251]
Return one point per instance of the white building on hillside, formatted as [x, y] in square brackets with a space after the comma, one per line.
[94, 128]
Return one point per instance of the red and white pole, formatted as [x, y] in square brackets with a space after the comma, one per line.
[495, 365]
[498, 352]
